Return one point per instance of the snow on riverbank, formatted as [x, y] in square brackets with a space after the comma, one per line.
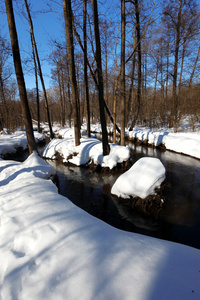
[10, 142]
[184, 142]
[141, 179]
[88, 150]
[51, 249]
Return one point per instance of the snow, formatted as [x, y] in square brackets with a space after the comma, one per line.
[141, 179]
[51, 249]
[182, 142]
[10, 142]
[88, 150]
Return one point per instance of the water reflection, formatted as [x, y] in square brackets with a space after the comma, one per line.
[179, 221]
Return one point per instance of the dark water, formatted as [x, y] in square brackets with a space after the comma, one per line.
[179, 221]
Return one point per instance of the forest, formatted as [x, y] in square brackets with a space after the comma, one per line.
[128, 62]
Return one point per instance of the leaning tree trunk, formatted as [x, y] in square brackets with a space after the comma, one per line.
[20, 76]
[70, 52]
[36, 86]
[100, 79]
[40, 69]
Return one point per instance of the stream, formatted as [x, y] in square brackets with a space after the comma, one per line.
[178, 221]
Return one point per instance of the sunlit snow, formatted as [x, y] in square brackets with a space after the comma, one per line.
[50, 249]
[141, 179]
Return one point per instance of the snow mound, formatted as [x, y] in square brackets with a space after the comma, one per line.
[32, 166]
[88, 150]
[10, 142]
[141, 179]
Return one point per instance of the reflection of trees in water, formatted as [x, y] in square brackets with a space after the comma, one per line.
[91, 191]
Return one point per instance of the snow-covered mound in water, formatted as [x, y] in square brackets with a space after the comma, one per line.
[90, 149]
[141, 179]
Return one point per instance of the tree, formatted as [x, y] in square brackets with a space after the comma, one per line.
[39, 67]
[85, 68]
[20, 76]
[4, 111]
[123, 92]
[36, 86]
[100, 79]
[181, 17]
[70, 51]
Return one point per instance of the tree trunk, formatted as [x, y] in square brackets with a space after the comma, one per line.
[20, 76]
[123, 92]
[36, 86]
[137, 14]
[174, 109]
[100, 79]
[70, 52]
[115, 108]
[40, 69]
[192, 74]
[85, 69]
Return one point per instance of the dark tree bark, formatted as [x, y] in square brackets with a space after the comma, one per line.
[39, 67]
[70, 51]
[193, 70]
[93, 76]
[137, 15]
[36, 86]
[174, 109]
[100, 79]
[20, 76]
[85, 69]
[123, 92]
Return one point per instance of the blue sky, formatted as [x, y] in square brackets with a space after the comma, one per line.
[47, 27]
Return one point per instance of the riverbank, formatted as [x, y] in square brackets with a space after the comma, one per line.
[51, 249]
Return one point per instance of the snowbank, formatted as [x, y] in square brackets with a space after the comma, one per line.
[88, 150]
[10, 142]
[185, 143]
[51, 249]
[141, 179]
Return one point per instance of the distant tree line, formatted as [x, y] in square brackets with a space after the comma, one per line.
[136, 63]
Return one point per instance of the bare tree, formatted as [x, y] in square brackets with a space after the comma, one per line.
[70, 50]
[123, 92]
[39, 67]
[85, 68]
[20, 76]
[100, 79]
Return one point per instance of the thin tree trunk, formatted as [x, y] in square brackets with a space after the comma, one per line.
[4, 104]
[182, 60]
[36, 86]
[100, 79]
[174, 109]
[20, 76]
[85, 69]
[39, 67]
[115, 108]
[137, 14]
[123, 92]
[70, 52]
[192, 74]
[93, 75]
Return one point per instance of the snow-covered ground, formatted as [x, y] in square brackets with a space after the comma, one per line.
[51, 249]
[10, 142]
[88, 150]
[182, 142]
